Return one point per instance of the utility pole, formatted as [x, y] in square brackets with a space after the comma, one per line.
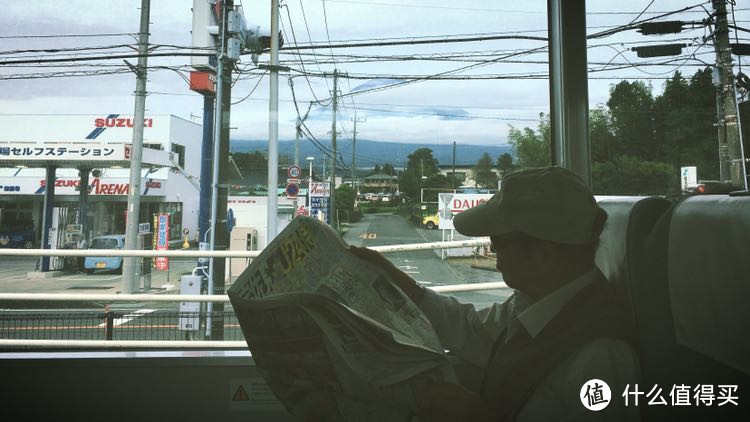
[453, 176]
[220, 189]
[131, 273]
[332, 205]
[731, 161]
[297, 136]
[354, 148]
[273, 128]
[354, 152]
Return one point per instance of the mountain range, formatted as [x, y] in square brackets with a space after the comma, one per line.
[370, 152]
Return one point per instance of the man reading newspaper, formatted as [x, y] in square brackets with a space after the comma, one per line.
[331, 333]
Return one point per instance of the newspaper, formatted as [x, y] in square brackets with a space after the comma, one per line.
[333, 337]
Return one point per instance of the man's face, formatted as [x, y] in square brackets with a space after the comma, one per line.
[520, 259]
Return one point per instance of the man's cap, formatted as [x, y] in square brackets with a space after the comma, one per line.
[549, 203]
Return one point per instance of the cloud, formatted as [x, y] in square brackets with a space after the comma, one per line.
[376, 83]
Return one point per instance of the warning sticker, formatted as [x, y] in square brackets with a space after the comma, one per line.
[240, 394]
[252, 394]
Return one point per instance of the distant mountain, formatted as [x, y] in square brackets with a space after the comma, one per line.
[370, 153]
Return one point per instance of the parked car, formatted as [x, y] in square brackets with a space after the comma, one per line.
[431, 221]
[112, 263]
[16, 237]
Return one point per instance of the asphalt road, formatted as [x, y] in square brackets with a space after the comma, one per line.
[426, 267]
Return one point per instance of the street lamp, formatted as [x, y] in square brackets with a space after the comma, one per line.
[309, 187]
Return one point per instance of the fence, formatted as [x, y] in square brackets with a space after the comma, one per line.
[146, 328]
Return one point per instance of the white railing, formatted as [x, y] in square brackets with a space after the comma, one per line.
[225, 254]
[160, 344]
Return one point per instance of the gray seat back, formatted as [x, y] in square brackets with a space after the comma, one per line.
[689, 291]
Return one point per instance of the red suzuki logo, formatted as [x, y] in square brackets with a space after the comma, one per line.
[120, 122]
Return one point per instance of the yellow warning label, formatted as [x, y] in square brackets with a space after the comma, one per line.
[240, 395]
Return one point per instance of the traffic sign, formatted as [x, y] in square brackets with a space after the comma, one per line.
[294, 172]
[295, 181]
[292, 189]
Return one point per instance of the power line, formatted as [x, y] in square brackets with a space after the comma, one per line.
[309, 37]
[120, 34]
[325, 20]
[413, 41]
[301, 62]
[251, 91]
[108, 57]
[633, 24]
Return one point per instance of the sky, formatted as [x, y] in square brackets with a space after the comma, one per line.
[478, 111]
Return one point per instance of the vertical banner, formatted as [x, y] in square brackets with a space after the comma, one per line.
[320, 192]
[162, 240]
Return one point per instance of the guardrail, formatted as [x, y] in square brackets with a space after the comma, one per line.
[158, 344]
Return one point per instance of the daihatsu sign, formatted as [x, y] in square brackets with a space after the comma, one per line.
[450, 204]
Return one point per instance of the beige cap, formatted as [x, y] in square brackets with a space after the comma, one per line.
[550, 203]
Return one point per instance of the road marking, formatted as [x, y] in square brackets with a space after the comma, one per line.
[129, 317]
[424, 282]
[408, 267]
[411, 272]
[15, 276]
[89, 278]
[10, 269]
[368, 235]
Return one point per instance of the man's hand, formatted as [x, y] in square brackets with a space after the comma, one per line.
[400, 278]
[451, 402]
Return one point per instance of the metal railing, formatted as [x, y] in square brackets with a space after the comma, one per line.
[99, 328]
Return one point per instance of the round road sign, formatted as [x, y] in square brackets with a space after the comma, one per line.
[292, 190]
[294, 172]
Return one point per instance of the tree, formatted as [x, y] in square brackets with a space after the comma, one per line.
[345, 195]
[388, 169]
[532, 148]
[420, 163]
[684, 116]
[250, 162]
[436, 181]
[631, 110]
[601, 134]
[627, 175]
[483, 174]
[505, 163]
[376, 169]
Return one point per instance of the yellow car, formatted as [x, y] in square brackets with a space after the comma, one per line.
[431, 221]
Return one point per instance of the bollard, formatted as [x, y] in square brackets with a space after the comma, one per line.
[109, 325]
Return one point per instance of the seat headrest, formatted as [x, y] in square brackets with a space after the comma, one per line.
[709, 277]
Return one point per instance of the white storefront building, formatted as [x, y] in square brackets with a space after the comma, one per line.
[101, 146]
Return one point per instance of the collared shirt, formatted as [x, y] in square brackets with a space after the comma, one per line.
[470, 334]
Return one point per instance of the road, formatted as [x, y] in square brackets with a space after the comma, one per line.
[426, 267]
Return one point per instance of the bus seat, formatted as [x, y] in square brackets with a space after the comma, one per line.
[689, 284]
[630, 220]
